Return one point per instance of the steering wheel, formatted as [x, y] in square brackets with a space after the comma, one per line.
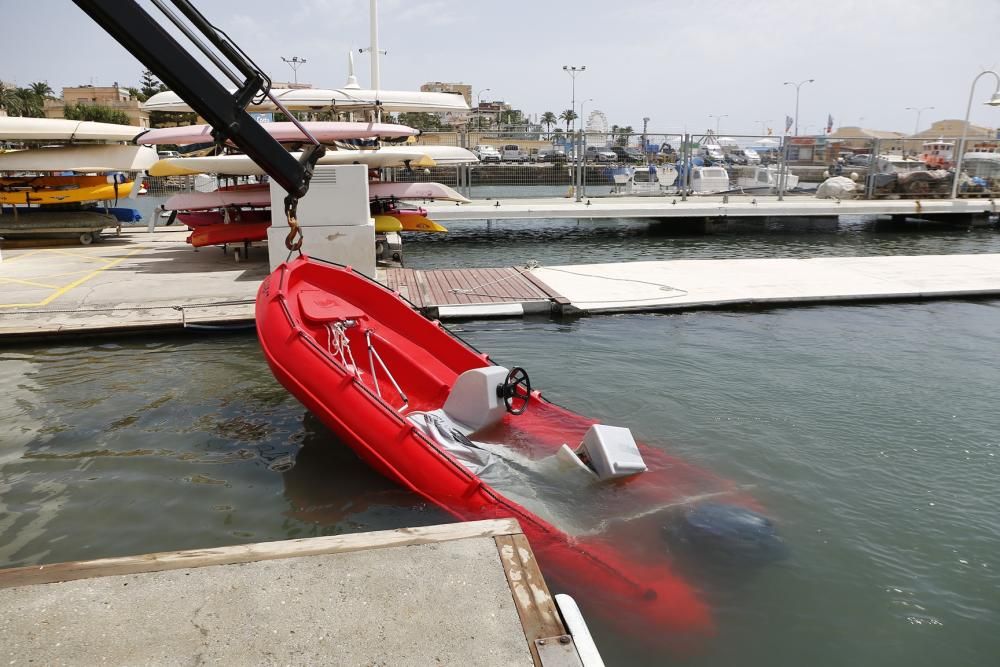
[515, 391]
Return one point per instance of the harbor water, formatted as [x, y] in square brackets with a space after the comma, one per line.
[868, 433]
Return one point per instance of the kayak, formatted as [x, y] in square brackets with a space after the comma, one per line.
[256, 194]
[204, 218]
[438, 417]
[68, 194]
[286, 132]
[236, 232]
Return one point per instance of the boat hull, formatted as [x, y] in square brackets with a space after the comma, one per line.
[612, 569]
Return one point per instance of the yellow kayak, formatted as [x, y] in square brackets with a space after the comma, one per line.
[419, 223]
[387, 223]
[68, 194]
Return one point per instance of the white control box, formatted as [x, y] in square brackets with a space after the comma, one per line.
[334, 219]
[611, 452]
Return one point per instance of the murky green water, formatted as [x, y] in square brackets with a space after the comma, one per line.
[869, 433]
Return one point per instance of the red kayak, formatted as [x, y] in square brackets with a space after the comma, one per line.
[428, 411]
[234, 232]
[204, 218]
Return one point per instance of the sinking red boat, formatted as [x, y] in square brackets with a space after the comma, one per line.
[430, 412]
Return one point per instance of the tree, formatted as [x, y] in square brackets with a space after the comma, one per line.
[149, 85]
[42, 89]
[95, 112]
[622, 135]
[427, 122]
[548, 119]
[569, 116]
[10, 101]
[31, 104]
[136, 94]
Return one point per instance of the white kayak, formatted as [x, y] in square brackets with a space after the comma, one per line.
[59, 129]
[90, 157]
[428, 191]
[285, 132]
[346, 99]
[260, 196]
[387, 156]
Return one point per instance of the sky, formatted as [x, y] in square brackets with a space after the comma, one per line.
[681, 64]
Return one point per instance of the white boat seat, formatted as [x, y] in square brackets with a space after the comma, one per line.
[473, 400]
[607, 452]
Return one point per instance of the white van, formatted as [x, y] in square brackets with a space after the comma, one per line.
[513, 153]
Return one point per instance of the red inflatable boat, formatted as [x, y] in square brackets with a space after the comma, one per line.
[428, 411]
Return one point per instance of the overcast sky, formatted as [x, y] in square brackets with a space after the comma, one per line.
[675, 62]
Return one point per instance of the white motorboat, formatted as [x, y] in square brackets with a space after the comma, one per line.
[764, 178]
[644, 181]
[983, 160]
[938, 154]
[709, 180]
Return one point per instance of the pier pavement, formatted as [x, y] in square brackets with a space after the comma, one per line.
[459, 594]
[146, 282]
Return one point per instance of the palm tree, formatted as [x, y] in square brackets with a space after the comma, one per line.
[42, 89]
[549, 119]
[31, 104]
[623, 135]
[569, 116]
[10, 101]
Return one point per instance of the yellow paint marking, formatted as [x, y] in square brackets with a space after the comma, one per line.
[27, 254]
[30, 283]
[89, 258]
[76, 283]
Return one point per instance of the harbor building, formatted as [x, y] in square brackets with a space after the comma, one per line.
[114, 96]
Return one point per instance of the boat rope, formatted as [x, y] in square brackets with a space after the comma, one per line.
[337, 344]
[663, 287]
[534, 264]
[241, 302]
[472, 291]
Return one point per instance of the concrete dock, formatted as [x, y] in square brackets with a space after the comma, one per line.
[711, 206]
[149, 282]
[459, 594]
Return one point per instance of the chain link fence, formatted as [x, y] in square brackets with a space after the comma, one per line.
[678, 164]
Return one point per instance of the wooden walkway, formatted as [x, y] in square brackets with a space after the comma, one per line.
[474, 292]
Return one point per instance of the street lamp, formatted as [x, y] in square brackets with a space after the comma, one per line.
[994, 101]
[763, 125]
[295, 63]
[717, 119]
[479, 106]
[919, 111]
[573, 70]
[797, 87]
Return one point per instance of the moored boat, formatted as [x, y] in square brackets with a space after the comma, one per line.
[438, 417]
[764, 178]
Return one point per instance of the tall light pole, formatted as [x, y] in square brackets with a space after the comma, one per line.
[717, 119]
[797, 87]
[295, 63]
[763, 125]
[645, 124]
[919, 111]
[573, 70]
[994, 101]
[479, 106]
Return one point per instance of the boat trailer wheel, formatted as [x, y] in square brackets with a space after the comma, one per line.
[515, 390]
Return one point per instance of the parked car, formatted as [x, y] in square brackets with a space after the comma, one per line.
[513, 153]
[599, 154]
[861, 160]
[550, 155]
[486, 153]
[626, 154]
[165, 154]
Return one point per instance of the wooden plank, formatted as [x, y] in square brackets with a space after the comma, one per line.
[468, 280]
[535, 604]
[423, 289]
[246, 553]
